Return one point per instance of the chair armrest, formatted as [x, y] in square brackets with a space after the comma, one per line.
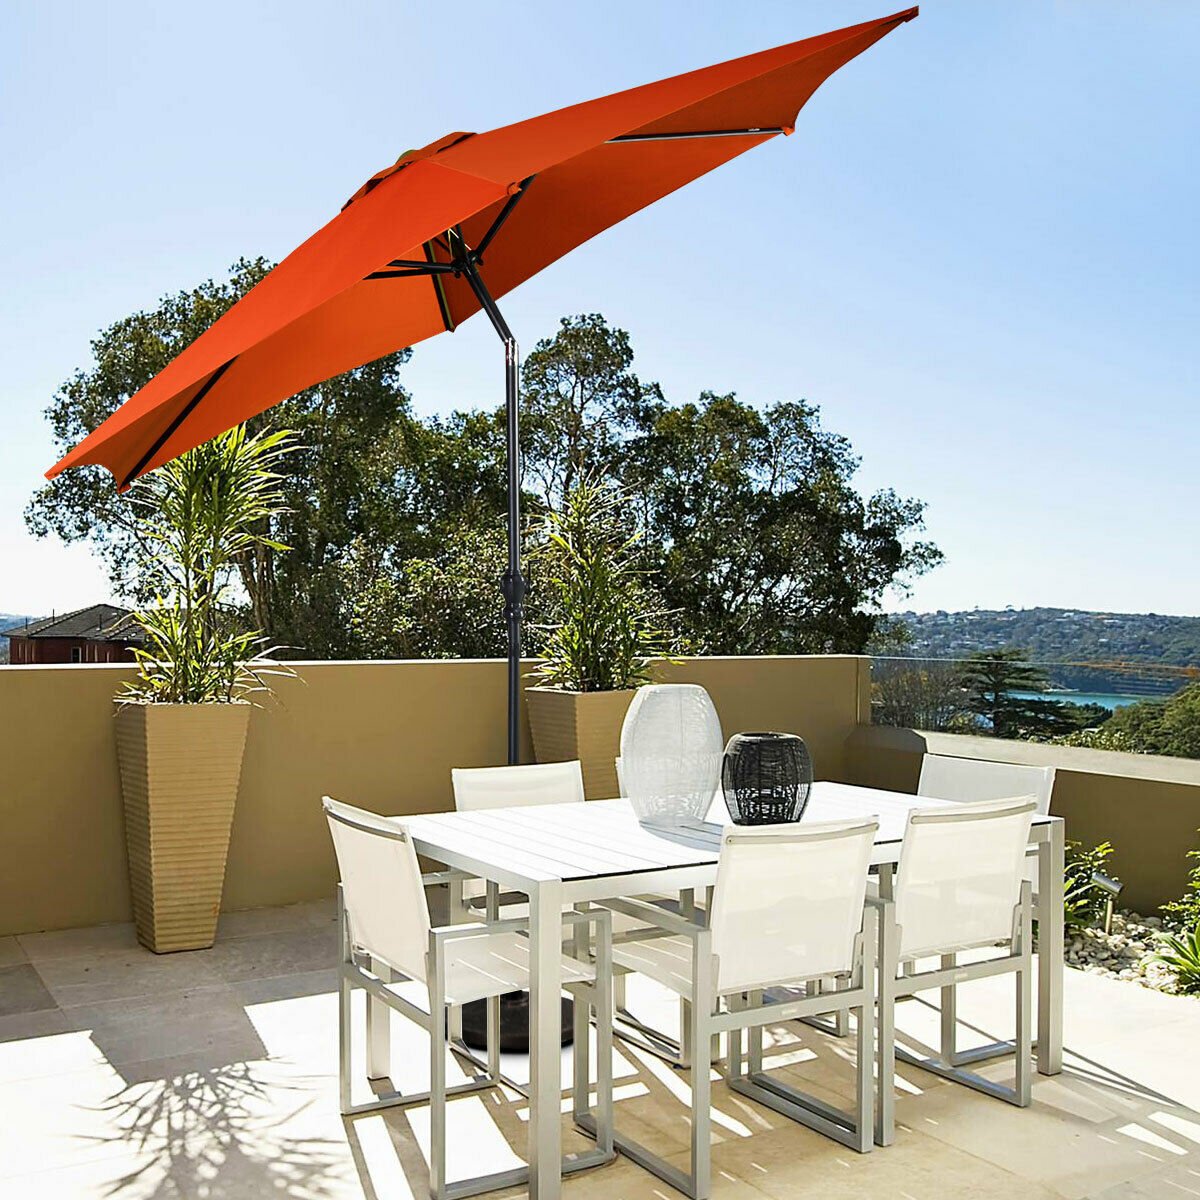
[447, 933]
[653, 915]
[597, 914]
[432, 878]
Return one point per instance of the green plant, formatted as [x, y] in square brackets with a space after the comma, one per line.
[1083, 901]
[605, 633]
[1185, 912]
[195, 516]
[1180, 952]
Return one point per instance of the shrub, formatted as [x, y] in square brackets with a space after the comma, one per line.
[196, 516]
[605, 632]
[1083, 901]
[1185, 912]
[1180, 952]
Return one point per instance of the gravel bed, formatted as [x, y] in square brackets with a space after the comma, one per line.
[1122, 953]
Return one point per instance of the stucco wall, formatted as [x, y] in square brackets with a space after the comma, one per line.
[383, 735]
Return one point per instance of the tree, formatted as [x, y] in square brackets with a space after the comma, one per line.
[579, 400]
[1161, 726]
[758, 539]
[366, 471]
[82, 505]
[992, 681]
[917, 693]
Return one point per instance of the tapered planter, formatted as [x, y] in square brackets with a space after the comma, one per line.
[180, 766]
[582, 725]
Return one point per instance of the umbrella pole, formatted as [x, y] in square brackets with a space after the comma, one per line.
[512, 583]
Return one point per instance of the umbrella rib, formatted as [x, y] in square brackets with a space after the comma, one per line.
[501, 217]
[699, 133]
[176, 421]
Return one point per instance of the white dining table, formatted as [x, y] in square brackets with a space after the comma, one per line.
[565, 854]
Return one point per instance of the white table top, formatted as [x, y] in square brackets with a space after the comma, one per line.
[602, 839]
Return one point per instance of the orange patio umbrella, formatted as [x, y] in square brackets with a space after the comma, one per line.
[439, 235]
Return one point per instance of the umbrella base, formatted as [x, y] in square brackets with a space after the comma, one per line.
[514, 1023]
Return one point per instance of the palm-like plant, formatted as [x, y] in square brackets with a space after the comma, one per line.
[196, 515]
[1181, 953]
[606, 632]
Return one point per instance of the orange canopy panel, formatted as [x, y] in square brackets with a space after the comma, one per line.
[337, 302]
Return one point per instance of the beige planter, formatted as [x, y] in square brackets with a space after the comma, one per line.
[582, 725]
[180, 766]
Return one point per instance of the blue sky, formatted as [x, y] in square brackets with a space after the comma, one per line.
[979, 254]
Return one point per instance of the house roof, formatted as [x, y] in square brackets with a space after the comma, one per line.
[96, 623]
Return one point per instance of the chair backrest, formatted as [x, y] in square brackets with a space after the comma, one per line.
[381, 887]
[969, 780]
[620, 779]
[960, 874]
[788, 903]
[514, 787]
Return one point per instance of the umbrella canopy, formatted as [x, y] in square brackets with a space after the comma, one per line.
[351, 293]
[437, 236]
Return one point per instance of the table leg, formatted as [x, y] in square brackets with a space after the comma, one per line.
[545, 1041]
[1050, 950]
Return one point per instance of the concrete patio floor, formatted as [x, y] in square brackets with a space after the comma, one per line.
[211, 1075]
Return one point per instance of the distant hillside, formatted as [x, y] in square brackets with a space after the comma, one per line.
[1068, 636]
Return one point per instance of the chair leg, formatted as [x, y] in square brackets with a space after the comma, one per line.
[1024, 1047]
[438, 1037]
[379, 1028]
[620, 1000]
[885, 1007]
[344, 1048]
[865, 1059]
[1024, 986]
[602, 998]
[949, 1015]
[755, 1037]
[701, 1081]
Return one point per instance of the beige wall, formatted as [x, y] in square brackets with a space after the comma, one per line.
[383, 735]
[1147, 807]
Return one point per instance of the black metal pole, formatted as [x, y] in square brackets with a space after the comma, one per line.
[512, 583]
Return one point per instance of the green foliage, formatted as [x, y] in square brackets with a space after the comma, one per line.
[580, 399]
[1181, 953]
[604, 632]
[1083, 902]
[991, 681]
[440, 606]
[1185, 911]
[81, 505]
[358, 475]
[757, 537]
[1162, 726]
[917, 694]
[752, 531]
[195, 516]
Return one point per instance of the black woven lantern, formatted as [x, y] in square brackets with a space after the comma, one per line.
[766, 778]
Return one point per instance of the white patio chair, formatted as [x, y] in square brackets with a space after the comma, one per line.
[480, 788]
[788, 908]
[384, 920]
[626, 1025]
[959, 886]
[970, 780]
